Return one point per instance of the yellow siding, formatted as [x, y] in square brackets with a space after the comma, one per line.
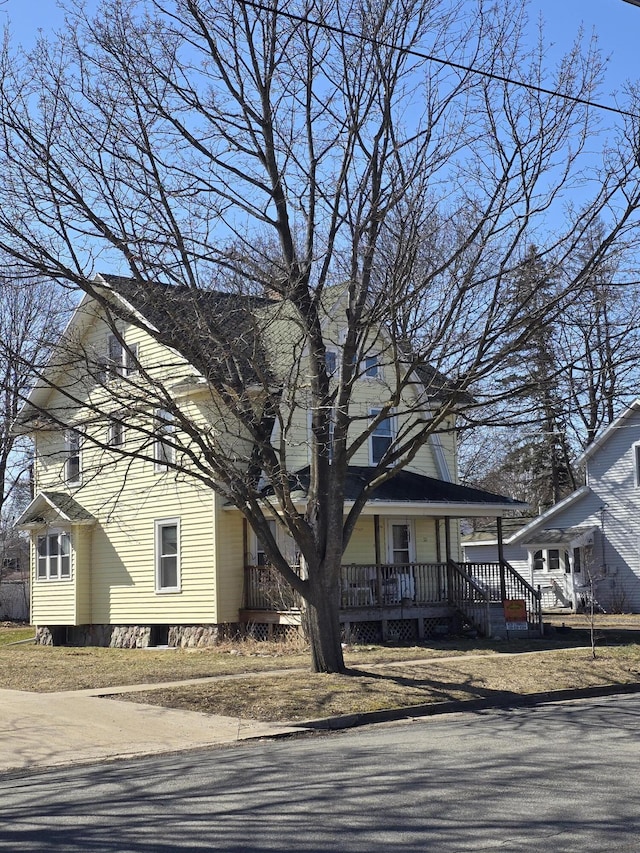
[113, 578]
[81, 542]
[53, 602]
[229, 561]
[361, 548]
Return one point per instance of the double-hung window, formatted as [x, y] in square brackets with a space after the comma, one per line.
[122, 360]
[381, 438]
[331, 362]
[371, 367]
[54, 556]
[164, 452]
[167, 542]
[72, 462]
[116, 434]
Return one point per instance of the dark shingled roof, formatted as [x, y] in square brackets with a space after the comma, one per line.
[65, 504]
[410, 487]
[213, 330]
[192, 320]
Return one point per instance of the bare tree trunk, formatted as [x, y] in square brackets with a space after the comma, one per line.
[323, 625]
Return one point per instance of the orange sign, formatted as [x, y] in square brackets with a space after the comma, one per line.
[515, 610]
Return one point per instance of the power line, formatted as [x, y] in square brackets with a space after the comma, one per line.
[305, 19]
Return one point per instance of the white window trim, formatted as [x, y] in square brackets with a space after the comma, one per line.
[373, 413]
[545, 560]
[409, 523]
[126, 361]
[111, 434]
[335, 352]
[164, 453]
[159, 524]
[636, 463]
[69, 435]
[374, 377]
[58, 577]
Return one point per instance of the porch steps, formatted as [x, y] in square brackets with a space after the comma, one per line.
[497, 622]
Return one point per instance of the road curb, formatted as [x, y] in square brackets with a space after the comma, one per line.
[509, 700]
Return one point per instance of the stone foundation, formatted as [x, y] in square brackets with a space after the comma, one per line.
[136, 636]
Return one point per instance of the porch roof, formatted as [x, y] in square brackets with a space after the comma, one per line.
[578, 535]
[408, 490]
[59, 504]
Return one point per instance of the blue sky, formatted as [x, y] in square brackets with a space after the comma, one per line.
[616, 22]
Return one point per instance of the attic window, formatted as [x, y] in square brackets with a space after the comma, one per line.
[636, 459]
[122, 360]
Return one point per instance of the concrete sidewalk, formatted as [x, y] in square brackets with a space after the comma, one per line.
[39, 730]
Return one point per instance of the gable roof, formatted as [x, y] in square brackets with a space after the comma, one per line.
[560, 535]
[547, 516]
[66, 508]
[410, 489]
[606, 433]
[213, 330]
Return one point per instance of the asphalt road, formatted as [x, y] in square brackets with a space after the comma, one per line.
[556, 778]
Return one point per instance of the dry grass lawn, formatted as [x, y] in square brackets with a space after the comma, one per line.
[305, 696]
[456, 670]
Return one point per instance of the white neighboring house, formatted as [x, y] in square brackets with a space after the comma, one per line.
[592, 537]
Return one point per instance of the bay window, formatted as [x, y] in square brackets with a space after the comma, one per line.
[54, 556]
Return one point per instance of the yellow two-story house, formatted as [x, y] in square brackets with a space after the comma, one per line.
[131, 549]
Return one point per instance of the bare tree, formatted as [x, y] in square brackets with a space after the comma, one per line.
[317, 154]
[572, 378]
[30, 314]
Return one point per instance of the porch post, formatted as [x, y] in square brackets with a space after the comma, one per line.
[447, 551]
[447, 538]
[503, 583]
[376, 545]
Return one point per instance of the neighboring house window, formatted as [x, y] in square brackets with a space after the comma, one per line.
[72, 465]
[553, 560]
[538, 561]
[381, 438]
[116, 434]
[168, 555]
[636, 459]
[577, 561]
[54, 556]
[164, 450]
[122, 361]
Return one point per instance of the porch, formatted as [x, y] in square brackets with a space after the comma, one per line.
[403, 601]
